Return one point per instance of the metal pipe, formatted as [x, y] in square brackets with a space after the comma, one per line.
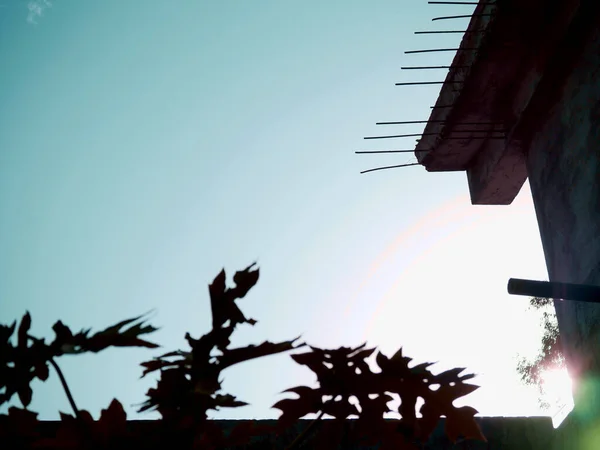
[552, 289]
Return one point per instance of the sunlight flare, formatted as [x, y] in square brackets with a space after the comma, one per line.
[558, 387]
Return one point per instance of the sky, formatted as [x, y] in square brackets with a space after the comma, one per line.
[145, 145]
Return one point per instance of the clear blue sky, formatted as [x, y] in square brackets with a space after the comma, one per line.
[144, 145]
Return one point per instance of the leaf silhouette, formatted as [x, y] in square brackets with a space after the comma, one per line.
[340, 409]
[6, 332]
[71, 434]
[190, 381]
[462, 423]
[170, 394]
[20, 364]
[222, 299]
[309, 401]
[189, 386]
[25, 394]
[344, 372]
[114, 336]
[453, 375]
[113, 421]
[23, 330]
[18, 428]
[227, 401]
[234, 356]
[336, 370]
[245, 280]
[108, 432]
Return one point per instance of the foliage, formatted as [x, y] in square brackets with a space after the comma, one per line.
[550, 355]
[189, 385]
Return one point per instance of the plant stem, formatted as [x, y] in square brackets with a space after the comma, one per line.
[65, 386]
[303, 435]
[62, 378]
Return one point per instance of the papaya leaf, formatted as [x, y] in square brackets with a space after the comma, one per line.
[6, 332]
[427, 423]
[72, 432]
[24, 327]
[171, 393]
[309, 401]
[227, 401]
[123, 334]
[21, 364]
[25, 394]
[461, 423]
[157, 364]
[245, 280]
[340, 409]
[446, 394]
[222, 299]
[18, 424]
[234, 356]
[344, 372]
[190, 380]
[453, 375]
[113, 421]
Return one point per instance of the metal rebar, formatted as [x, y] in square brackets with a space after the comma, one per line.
[362, 152]
[414, 83]
[432, 50]
[552, 289]
[433, 134]
[474, 137]
[401, 135]
[437, 121]
[477, 131]
[450, 31]
[409, 122]
[460, 17]
[462, 3]
[390, 167]
[433, 67]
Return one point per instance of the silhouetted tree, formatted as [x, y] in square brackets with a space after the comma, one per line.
[550, 355]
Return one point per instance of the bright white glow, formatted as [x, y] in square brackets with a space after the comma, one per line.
[558, 388]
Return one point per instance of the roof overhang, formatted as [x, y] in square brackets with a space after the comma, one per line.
[489, 90]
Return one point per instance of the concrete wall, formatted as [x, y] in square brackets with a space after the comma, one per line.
[564, 172]
[502, 433]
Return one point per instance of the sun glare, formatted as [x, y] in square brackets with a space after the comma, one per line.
[558, 388]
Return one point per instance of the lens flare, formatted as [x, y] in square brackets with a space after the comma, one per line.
[558, 387]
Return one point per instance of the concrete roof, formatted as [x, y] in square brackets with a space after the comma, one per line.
[506, 53]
